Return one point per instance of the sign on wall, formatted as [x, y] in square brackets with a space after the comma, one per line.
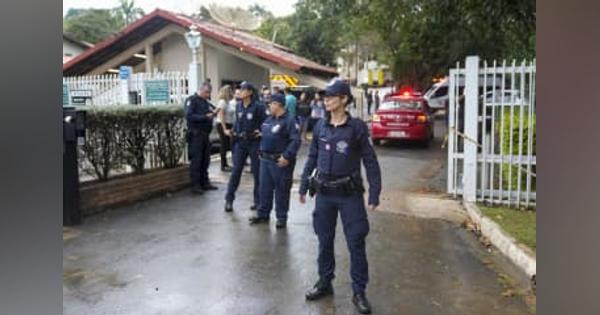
[157, 91]
[125, 72]
[81, 97]
[65, 94]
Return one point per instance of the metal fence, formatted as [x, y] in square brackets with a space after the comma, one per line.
[492, 137]
[101, 89]
[109, 89]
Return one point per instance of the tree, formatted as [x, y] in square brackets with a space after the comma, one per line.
[129, 12]
[93, 25]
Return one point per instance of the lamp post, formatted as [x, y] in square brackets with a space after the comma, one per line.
[194, 41]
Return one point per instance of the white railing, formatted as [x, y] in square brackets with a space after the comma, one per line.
[111, 90]
[491, 142]
[104, 88]
[178, 85]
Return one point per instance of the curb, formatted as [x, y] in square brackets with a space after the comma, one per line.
[522, 257]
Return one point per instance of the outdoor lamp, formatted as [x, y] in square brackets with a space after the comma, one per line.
[194, 39]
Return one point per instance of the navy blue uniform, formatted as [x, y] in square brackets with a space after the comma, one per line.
[336, 152]
[199, 127]
[280, 137]
[245, 143]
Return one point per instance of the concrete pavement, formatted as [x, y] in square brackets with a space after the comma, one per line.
[182, 254]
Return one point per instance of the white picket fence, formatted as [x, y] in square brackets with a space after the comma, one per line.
[491, 142]
[109, 89]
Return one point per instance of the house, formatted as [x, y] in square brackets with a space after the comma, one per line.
[73, 47]
[156, 43]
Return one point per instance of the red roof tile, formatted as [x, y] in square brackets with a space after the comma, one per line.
[247, 42]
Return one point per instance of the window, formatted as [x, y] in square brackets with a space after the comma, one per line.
[442, 91]
[396, 104]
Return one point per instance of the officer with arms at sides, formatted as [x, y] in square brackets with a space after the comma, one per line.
[332, 172]
[250, 114]
[199, 114]
[280, 140]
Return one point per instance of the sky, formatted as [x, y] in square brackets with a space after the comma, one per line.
[278, 7]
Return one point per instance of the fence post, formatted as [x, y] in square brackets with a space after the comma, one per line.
[470, 122]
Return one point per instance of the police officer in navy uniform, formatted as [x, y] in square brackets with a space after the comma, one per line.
[280, 140]
[332, 172]
[199, 116]
[250, 114]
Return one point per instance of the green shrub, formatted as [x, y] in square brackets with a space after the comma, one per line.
[506, 149]
[120, 135]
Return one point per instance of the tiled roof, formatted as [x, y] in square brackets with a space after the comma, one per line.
[246, 42]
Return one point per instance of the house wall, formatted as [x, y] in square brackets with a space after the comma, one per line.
[234, 68]
[175, 55]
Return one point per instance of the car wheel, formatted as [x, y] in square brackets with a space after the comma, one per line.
[377, 142]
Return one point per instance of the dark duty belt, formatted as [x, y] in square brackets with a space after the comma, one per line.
[269, 156]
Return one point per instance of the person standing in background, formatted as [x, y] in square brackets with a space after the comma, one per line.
[303, 111]
[317, 110]
[290, 102]
[225, 119]
[199, 116]
[377, 100]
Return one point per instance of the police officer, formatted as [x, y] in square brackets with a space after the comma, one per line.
[339, 144]
[250, 114]
[280, 140]
[199, 115]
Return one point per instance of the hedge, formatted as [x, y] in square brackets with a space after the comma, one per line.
[119, 135]
[505, 147]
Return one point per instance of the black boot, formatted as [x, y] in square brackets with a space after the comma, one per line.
[197, 190]
[209, 186]
[321, 289]
[228, 206]
[258, 220]
[362, 304]
[254, 207]
[281, 224]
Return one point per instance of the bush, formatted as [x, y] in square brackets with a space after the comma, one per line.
[121, 135]
[506, 150]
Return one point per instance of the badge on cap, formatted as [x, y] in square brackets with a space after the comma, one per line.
[341, 146]
[276, 128]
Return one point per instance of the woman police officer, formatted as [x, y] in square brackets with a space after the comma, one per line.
[280, 140]
[250, 114]
[339, 143]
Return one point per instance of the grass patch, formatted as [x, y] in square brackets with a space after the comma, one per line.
[518, 223]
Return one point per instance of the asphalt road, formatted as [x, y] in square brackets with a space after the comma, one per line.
[182, 254]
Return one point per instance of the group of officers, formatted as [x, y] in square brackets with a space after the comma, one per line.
[332, 173]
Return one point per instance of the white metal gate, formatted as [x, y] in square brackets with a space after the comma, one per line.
[492, 138]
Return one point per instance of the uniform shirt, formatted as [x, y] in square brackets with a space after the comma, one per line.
[280, 135]
[337, 152]
[249, 119]
[196, 109]
[290, 104]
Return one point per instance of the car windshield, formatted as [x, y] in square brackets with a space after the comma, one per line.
[398, 104]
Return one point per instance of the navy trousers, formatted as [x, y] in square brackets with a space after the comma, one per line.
[278, 181]
[199, 156]
[356, 227]
[243, 149]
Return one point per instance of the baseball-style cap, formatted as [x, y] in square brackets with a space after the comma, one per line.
[277, 97]
[337, 87]
[247, 86]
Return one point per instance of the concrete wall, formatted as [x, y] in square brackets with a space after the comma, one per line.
[234, 68]
[71, 49]
[175, 55]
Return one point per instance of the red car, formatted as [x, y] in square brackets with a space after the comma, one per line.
[404, 116]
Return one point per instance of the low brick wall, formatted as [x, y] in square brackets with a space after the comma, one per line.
[98, 196]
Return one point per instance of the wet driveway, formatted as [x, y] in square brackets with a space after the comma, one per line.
[182, 254]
